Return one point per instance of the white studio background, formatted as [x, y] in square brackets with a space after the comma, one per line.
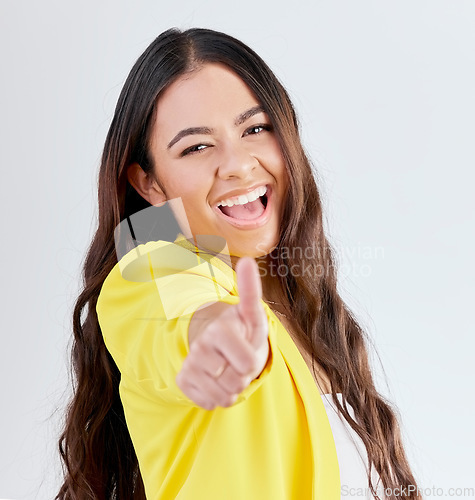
[385, 95]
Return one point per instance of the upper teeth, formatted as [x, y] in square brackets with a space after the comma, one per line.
[244, 198]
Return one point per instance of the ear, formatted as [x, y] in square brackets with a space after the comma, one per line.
[145, 185]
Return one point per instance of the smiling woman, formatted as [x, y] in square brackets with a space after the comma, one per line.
[239, 156]
[189, 385]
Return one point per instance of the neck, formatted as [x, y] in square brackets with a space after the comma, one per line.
[271, 291]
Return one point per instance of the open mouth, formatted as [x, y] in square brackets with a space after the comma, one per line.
[244, 212]
[248, 211]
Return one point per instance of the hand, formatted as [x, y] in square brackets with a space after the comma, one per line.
[231, 348]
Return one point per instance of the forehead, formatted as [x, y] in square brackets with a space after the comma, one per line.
[210, 96]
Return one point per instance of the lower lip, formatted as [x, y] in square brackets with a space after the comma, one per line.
[253, 223]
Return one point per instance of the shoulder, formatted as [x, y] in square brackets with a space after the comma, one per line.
[165, 277]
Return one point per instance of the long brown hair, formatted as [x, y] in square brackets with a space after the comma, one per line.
[95, 446]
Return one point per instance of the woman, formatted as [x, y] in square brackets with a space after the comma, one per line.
[200, 123]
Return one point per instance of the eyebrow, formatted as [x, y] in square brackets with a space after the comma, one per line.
[207, 131]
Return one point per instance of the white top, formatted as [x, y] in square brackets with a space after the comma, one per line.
[351, 453]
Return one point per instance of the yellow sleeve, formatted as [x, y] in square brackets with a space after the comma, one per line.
[149, 340]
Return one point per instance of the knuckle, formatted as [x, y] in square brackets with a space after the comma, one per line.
[205, 405]
[209, 337]
[200, 346]
[181, 378]
[209, 406]
[203, 401]
[185, 365]
[184, 384]
[254, 364]
[193, 365]
[228, 400]
[249, 365]
[237, 383]
[240, 384]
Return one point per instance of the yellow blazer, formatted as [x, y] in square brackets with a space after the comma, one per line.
[274, 443]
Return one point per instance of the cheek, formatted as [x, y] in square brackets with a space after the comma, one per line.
[181, 185]
[276, 159]
[193, 196]
[280, 171]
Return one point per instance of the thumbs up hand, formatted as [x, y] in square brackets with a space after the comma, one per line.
[228, 344]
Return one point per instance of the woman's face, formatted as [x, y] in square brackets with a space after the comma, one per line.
[214, 147]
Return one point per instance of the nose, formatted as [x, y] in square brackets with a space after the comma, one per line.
[236, 161]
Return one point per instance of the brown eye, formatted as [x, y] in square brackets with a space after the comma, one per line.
[257, 129]
[194, 149]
